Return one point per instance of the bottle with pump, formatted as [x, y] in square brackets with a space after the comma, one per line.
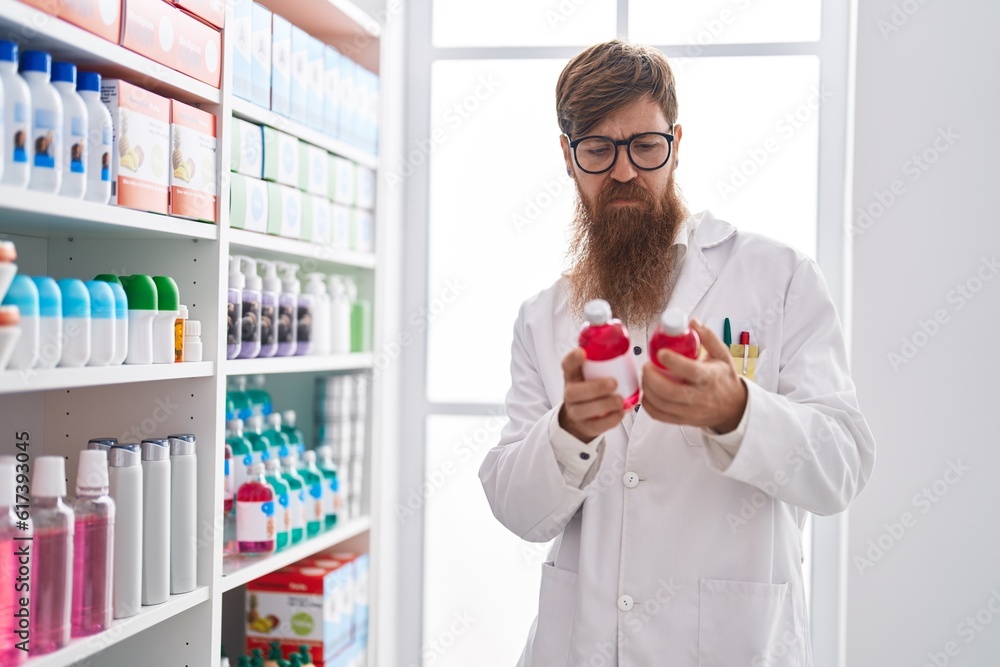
[50, 334]
[167, 308]
[9, 534]
[294, 433]
[75, 323]
[329, 481]
[316, 288]
[315, 508]
[302, 314]
[250, 318]
[361, 318]
[183, 513]
[76, 122]
[608, 353]
[155, 521]
[234, 309]
[52, 560]
[673, 333]
[99, 137]
[125, 488]
[102, 323]
[242, 451]
[257, 396]
[269, 297]
[121, 317]
[23, 294]
[140, 292]
[93, 545]
[324, 461]
[18, 150]
[255, 508]
[46, 122]
[340, 316]
[277, 440]
[282, 510]
[296, 499]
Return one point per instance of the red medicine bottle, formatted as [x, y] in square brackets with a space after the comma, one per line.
[673, 333]
[607, 349]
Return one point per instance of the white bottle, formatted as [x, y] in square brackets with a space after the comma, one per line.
[75, 323]
[102, 323]
[155, 521]
[23, 294]
[192, 340]
[140, 293]
[321, 313]
[121, 317]
[46, 122]
[340, 316]
[99, 137]
[17, 149]
[125, 487]
[75, 126]
[183, 514]
[168, 307]
[50, 334]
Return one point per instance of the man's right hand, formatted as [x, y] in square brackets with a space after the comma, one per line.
[590, 407]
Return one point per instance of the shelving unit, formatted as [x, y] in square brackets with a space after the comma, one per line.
[12, 382]
[341, 362]
[277, 247]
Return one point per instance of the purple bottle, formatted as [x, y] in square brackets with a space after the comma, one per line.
[234, 310]
[93, 545]
[270, 290]
[52, 570]
[288, 312]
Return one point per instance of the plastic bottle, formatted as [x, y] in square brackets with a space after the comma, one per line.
[18, 150]
[76, 120]
[242, 451]
[294, 433]
[315, 514]
[258, 398]
[228, 501]
[8, 266]
[121, 316]
[192, 341]
[9, 534]
[93, 546]
[46, 122]
[296, 499]
[99, 138]
[140, 291]
[10, 331]
[75, 323]
[305, 315]
[608, 353]
[167, 307]
[250, 319]
[277, 440]
[316, 287]
[282, 512]
[328, 479]
[269, 297]
[324, 461]
[361, 318]
[242, 408]
[50, 333]
[155, 521]
[234, 309]
[673, 333]
[288, 318]
[183, 513]
[23, 294]
[274, 655]
[307, 660]
[102, 323]
[340, 316]
[125, 488]
[182, 315]
[255, 508]
[261, 445]
[52, 560]
[102, 444]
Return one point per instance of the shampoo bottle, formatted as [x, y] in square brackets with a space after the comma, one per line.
[46, 122]
[288, 319]
[140, 291]
[52, 558]
[102, 323]
[250, 327]
[282, 511]
[269, 297]
[167, 308]
[296, 500]
[121, 317]
[361, 318]
[125, 488]
[298, 308]
[155, 521]
[18, 150]
[24, 295]
[234, 309]
[75, 127]
[93, 547]
[340, 316]
[608, 353]
[50, 334]
[75, 323]
[183, 514]
[99, 137]
[316, 287]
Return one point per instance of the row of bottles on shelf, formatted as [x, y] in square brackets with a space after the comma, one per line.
[267, 316]
[275, 658]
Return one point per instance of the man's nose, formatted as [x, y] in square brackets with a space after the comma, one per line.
[623, 171]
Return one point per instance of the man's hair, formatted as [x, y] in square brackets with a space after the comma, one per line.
[610, 76]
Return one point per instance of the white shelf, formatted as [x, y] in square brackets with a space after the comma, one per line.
[79, 649]
[238, 571]
[16, 381]
[255, 114]
[274, 247]
[306, 364]
[31, 213]
[38, 30]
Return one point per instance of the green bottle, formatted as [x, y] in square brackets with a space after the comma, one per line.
[242, 451]
[283, 514]
[296, 498]
[244, 661]
[324, 461]
[277, 440]
[315, 516]
[293, 432]
[237, 393]
[294, 660]
[259, 443]
[306, 656]
[311, 461]
[259, 400]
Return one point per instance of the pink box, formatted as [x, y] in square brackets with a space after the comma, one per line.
[150, 29]
[209, 11]
[198, 49]
[101, 17]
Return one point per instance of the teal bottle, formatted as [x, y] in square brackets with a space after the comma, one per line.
[311, 461]
[237, 397]
[293, 432]
[283, 514]
[296, 499]
[255, 434]
[324, 461]
[277, 440]
[315, 517]
[258, 399]
[242, 451]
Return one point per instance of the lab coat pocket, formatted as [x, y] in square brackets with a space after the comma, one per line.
[556, 608]
[748, 623]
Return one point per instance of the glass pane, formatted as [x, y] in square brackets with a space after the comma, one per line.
[523, 22]
[723, 21]
[480, 581]
[500, 208]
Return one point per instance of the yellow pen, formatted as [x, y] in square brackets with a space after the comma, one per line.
[745, 342]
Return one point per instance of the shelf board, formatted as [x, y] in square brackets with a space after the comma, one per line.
[278, 247]
[256, 114]
[306, 364]
[120, 630]
[32, 213]
[238, 571]
[68, 42]
[16, 381]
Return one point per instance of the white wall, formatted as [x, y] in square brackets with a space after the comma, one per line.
[938, 410]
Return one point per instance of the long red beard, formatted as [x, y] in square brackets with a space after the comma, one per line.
[621, 253]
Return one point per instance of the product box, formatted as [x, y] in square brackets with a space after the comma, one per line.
[362, 231]
[248, 203]
[320, 221]
[281, 66]
[340, 226]
[104, 19]
[247, 149]
[343, 181]
[365, 188]
[150, 29]
[240, 31]
[199, 50]
[47, 6]
[331, 89]
[348, 100]
[260, 78]
[281, 157]
[212, 12]
[284, 214]
[313, 170]
[300, 76]
[140, 177]
[193, 161]
[316, 73]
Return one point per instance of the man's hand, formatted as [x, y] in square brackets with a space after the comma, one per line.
[711, 395]
[590, 407]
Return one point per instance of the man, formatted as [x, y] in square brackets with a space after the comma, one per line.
[677, 526]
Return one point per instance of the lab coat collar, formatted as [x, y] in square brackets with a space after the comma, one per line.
[698, 274]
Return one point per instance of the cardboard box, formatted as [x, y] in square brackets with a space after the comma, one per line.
[193, 163]
[348, 100]
[300, 76]
[320, 219]
[281, 157]
[281, 66]
[47, 6]
[240, 32]
[365, 188]
[260, 80]
[362, 231]
[140, 156]
[247, 154]
[199, 50]
[284, 215]
[344, 181]
[248, 203]
[313, 168]
[212, 12]
[150, 29]
[316, 72]
[340, 226]
[331, 89]
[104, 19]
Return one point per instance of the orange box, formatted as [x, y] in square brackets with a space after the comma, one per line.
[210, 11]
[101, 17]
[47, 6]
[192, 162]
[198, 50]
[150, 29]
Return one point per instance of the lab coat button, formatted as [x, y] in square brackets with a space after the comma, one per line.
[625, 603]
[637, 350]
[631, 480]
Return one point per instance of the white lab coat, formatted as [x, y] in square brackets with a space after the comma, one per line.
[674, 552]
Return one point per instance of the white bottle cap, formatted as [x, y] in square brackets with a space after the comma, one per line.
[271, 282]
[254, 422]
[7, 481]
[673, 322]
[182, 312]
[192, 327]
[274, 419]
[309, 457]
[92, 472]
[272, 465]
[597, 312]
[289, 417]
[49, 480]
[236, 279]
[255, 469]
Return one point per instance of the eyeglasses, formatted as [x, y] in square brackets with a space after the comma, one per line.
[647, 151]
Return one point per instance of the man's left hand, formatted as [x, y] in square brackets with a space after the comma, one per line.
[711, 394]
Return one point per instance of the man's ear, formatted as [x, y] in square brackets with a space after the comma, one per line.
[676, 148]
[567, 153]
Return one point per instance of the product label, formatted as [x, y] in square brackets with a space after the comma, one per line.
[316, 502]
[48, 138]
[297, 508]
[20, 112]
[255, 522]
[283, 517]
[268, 314]
[251, 321]
[77, 153]
[330, 497]
[621, 368]
[286, 323]
[233, 316]
[305, 323]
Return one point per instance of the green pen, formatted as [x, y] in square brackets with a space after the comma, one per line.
[727, 334]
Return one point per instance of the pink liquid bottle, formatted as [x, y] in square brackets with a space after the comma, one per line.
[93, 546]
[608, 353]
[673, 333]
[228, 502]
[52, 566]
[255, 508]
[9, 595]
